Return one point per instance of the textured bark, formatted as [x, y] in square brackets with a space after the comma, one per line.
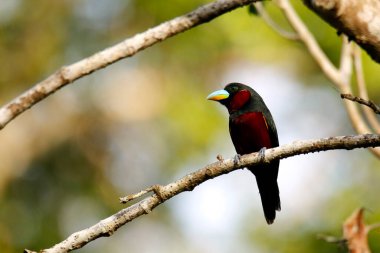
[358, 19]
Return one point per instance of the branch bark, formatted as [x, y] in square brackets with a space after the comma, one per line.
[358, 19]
[109, 225]
[127, 48]
[370, 104]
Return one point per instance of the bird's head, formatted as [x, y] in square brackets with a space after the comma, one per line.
[234, 96]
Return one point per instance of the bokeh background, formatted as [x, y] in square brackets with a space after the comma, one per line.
[145, 120]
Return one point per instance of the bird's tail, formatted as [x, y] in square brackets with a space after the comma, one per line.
[270, 194]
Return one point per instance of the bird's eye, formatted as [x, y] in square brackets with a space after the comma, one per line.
[234, 88]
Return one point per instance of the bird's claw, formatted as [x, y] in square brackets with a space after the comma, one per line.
[237, 159]
[262, 154]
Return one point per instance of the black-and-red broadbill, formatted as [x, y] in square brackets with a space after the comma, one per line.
[252, 128]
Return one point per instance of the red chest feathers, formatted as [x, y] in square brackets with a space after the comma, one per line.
[239, 100]
[249, 132]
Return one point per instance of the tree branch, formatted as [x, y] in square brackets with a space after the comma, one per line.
[370, 104]
[129, 47]
[109, 225]
[272, 24]
[358, 19]
[312, 45]
[340, 77]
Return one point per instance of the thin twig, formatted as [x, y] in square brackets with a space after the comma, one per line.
[372, 227]
[127, 48]
[332, 239]
[109, 225]
[272, 24]
[345, 65]
[356, 118]
[362, 88]
[312, 45]
[369, 103]
[345, 71]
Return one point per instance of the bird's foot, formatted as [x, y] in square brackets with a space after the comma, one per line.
[262, 154]
[237, 159]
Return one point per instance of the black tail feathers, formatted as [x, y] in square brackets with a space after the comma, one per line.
[270, 195]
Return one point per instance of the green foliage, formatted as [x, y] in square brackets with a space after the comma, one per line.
[32, 206]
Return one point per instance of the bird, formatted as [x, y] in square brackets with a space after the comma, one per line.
[252, 129]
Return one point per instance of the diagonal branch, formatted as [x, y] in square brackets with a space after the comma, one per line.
[127, 48]
[369, 103]
[109, 225]
[310, 42]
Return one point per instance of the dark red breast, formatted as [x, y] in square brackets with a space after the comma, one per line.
[249, 132]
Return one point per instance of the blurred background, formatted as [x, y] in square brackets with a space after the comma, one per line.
[145, 120]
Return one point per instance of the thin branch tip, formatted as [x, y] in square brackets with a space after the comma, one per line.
[369, 103]
[273, 24]
[332, 239]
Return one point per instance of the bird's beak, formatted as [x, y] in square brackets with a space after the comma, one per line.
[218, 95]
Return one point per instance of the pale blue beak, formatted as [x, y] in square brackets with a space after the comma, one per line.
[218, 95]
